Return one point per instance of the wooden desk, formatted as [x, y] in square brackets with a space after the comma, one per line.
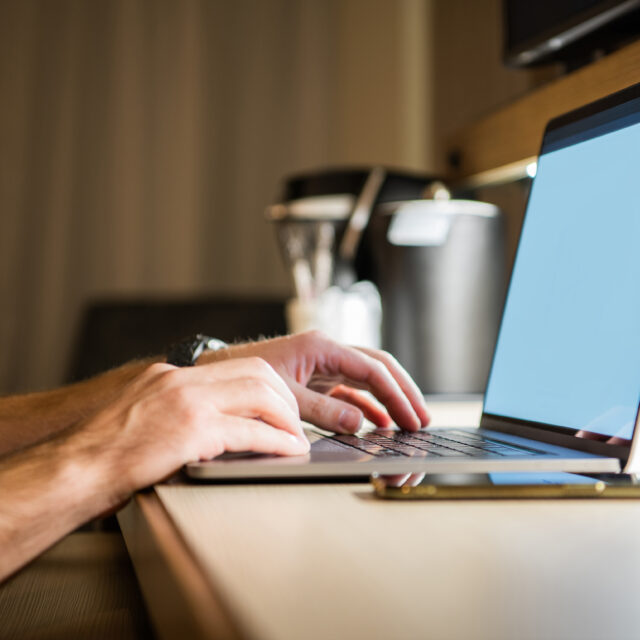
[329, 561]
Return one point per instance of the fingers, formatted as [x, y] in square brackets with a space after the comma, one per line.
[240, 434]
[380, 375]
[371, 409]
[326, 412]
[403, 479]
[415, 479]
[247, 389]
[245, 367]
[235, 434]
[248, 397]
[405, 382]
[311, 359]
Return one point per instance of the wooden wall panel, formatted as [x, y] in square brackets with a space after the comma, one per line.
[512, 134]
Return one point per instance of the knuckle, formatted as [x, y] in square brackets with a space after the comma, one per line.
[258, 388]
[183, 399]
[317, 405]
[259, 365]
[171, 377]
[189, 415]
[315, 337]
[379, 368]
[378, 371]
[181, 396]
[388, 359]
[158, 368]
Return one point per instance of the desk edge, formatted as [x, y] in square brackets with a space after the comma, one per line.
[180, 600]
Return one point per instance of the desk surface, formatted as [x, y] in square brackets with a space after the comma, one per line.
[329, 560]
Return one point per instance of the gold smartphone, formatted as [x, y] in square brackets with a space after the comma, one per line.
[509, 486]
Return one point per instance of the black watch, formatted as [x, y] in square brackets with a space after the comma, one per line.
[186, 352]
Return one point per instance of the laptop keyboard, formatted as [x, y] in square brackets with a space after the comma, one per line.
[425, 443]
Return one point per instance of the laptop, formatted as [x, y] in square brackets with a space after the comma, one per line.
[563, 393]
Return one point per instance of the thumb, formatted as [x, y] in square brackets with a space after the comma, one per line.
[327, 412]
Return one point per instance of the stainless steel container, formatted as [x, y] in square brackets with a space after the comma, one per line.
[440, 268]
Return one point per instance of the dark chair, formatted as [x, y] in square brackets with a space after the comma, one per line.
[114, 331]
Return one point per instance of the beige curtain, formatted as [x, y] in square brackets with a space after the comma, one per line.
[140, 141]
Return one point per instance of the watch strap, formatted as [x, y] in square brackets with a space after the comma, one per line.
[186, 352]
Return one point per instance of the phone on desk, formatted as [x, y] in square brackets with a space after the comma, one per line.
[510, 486]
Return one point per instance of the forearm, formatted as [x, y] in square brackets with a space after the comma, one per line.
[47, 491]
[30, 418]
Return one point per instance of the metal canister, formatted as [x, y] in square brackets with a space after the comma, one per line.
[440, 268]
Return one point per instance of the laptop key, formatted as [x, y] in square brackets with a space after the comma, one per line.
[424, 444]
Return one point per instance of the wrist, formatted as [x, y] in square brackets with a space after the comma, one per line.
[48, 491]
[98, 467]
[187, 351]
[218, 355]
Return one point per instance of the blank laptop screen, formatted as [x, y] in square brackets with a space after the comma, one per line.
[568, 351]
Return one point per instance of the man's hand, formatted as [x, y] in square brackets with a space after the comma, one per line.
[169, 416]
[164, 418]
[327, 378]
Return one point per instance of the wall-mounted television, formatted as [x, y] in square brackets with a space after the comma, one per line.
[567, 31]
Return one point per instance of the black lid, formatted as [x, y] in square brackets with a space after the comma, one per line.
[398, 185]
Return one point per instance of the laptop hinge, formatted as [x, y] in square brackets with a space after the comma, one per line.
[633, 463]
[548, 434]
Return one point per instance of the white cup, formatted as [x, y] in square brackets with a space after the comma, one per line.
[351, 317]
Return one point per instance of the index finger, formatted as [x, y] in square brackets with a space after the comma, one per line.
[393, 389]
[226, 369]
[405, 382]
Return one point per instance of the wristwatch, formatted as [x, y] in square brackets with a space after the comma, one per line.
[186, 352]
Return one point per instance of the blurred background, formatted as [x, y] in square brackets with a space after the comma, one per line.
[140, 140]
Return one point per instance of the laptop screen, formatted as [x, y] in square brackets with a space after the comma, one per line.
[568, 350]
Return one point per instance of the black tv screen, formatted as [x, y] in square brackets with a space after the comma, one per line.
[568, 31]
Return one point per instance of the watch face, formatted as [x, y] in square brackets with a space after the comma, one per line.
[186, 352]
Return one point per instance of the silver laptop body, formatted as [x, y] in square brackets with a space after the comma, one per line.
[564, 389]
